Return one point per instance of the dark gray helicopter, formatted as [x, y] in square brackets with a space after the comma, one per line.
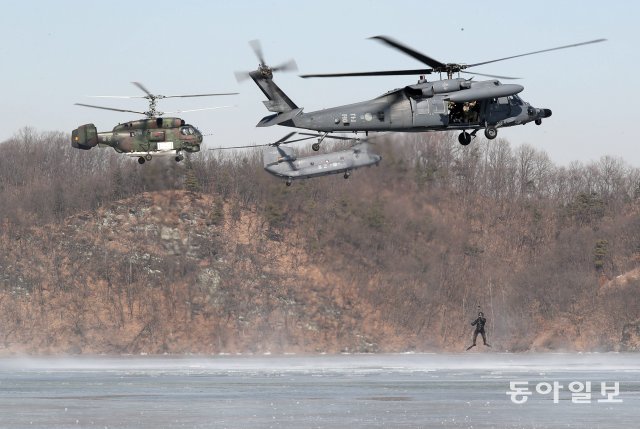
[281, 161]
[445, 104]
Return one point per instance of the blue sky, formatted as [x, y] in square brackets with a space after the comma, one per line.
[56, 53]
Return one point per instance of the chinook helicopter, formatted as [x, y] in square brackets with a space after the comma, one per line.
[282, 161]
[453, 103]
[140, 138]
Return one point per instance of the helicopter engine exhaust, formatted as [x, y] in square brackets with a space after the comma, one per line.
[84, 137]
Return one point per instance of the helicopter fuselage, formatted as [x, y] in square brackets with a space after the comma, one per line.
[140, 138]
[449, 104]
[445, 104]
[417, 109]
[151, 135]
[282, 162]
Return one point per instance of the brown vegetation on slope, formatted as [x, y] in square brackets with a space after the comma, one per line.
[101, 255]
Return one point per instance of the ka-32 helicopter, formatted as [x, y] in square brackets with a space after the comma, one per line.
[453, 103]
[140, 138]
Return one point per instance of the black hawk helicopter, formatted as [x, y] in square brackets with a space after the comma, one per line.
[444, 104]
[140, 138]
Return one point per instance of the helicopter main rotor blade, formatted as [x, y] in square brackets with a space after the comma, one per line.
[438, 66]
[200, 95]
[241, 76]
[257, 49]
[415, 54]
[116, 96]
[287, 137]
[368, 139]
[164, 96]
[276, 143]
[538, 52]
[329, 136]
[197, 110]
[145, 90]
[109, 108]
[335, 137]
[491, 75]
[240, 147]
[374, 73]
[297, 140]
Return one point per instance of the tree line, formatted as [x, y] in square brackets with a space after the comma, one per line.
[435, 232]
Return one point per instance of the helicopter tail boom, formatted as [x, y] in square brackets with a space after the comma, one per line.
[277, 101]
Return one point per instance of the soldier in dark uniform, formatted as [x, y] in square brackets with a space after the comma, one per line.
[479, 324]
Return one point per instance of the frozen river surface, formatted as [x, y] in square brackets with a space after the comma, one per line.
[355, 391]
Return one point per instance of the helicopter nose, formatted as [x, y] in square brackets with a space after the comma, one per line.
[545, 113]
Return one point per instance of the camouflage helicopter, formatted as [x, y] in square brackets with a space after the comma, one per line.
[453, 103]
[140, 138]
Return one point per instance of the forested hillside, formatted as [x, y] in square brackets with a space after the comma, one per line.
[101, 255]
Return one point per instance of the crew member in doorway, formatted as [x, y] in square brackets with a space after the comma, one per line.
[479, 324]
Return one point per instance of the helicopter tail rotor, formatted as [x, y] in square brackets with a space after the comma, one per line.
[265, 70]
[288, 66]
[241, 76]
[256, 46]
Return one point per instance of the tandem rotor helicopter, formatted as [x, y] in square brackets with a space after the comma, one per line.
[140, 138]
[282, 161]
[453, 103]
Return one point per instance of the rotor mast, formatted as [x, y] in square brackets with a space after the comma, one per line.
[152, 112]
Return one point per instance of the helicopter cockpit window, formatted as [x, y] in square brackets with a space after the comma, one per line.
[514, 99]
[187, 131]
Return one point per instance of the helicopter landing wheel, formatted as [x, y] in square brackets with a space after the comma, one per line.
[538, 121]
[346, 174]
[148, 157]
[464, 138]
[179, 158]
[315, 147]
[491, 133]
[141, 160]
[288, 183]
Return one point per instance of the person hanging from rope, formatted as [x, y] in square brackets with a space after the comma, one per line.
[479, 324]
